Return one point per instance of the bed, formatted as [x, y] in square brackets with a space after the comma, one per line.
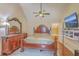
[40, 39]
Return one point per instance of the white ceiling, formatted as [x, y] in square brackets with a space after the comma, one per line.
[56, 10]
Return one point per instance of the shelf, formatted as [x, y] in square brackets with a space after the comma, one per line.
[69, 37]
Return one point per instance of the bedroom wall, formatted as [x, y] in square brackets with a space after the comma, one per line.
[12, 10]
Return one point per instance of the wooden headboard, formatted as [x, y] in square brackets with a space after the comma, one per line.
[41, 29]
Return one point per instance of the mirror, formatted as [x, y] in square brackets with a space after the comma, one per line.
[15, 25]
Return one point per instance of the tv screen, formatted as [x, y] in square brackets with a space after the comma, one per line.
[71, 21]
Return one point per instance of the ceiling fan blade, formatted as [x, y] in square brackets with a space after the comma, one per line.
[46, 13]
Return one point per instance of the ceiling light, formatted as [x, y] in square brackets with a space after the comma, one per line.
[41, 12]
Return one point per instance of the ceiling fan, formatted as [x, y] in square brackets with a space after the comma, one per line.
[41, 12]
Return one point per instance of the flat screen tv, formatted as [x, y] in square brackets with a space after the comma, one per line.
[71, 21]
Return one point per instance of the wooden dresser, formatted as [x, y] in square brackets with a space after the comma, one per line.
[11, 43]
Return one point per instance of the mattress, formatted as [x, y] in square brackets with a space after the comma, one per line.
[39, 39]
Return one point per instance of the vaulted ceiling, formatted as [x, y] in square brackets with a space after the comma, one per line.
[56, 11]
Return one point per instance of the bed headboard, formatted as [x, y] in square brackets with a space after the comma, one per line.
[41, 29]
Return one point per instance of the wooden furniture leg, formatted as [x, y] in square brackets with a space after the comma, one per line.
[22, 45]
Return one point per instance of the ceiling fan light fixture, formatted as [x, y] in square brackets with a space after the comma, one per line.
[41, 12]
